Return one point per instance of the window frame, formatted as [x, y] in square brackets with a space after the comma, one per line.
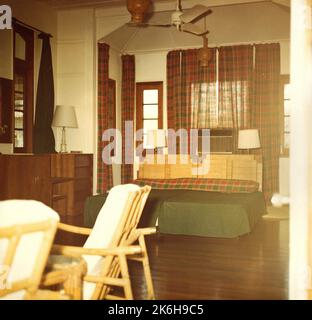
[140, 88]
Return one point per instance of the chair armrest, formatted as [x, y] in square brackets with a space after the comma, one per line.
[147, 231]
[74, 229]
[47, 295]
[78, 251]
[140, 232]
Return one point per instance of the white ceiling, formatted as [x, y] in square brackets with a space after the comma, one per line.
[245, 23]
[65, 4]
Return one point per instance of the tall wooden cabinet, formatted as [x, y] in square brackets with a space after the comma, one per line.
[62, 181]
[6, 103]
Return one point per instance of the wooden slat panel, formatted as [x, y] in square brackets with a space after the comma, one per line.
[220, 166]
[152, 171]
[181, 171]
[216, 167]
[244, 169]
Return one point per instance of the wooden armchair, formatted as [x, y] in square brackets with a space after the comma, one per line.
[110, 243]
[27, 230]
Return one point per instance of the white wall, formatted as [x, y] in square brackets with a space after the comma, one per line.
[300, 262]
[284, 176]
[75, 76]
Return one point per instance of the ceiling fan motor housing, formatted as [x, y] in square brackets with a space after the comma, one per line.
[175, 18]
[204, 54]
[138, 9]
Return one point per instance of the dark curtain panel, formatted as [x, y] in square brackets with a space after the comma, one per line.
[127, 105]
[105, 118]
[265, 112]
[235, 88]
[44, 141]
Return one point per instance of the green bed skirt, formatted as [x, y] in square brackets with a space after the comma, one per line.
[199, 213]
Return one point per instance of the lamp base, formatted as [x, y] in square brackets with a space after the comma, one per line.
[63, 148]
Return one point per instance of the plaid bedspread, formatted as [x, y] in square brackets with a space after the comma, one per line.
[214, 185]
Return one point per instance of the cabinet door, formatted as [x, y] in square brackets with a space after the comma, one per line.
[6, 102]
[28, 177]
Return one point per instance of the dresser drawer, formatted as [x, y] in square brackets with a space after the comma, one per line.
[83, 184]
[83, 160]
[83, 172]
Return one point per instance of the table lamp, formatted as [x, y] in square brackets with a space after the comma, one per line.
[248, 139]
[64, 117]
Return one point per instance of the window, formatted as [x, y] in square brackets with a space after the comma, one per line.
[286, 111]
[149, 107]
[23, 88]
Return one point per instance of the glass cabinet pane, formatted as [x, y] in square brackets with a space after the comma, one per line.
[19, 120]
[19, 83]
[19, 101]
[19, 139]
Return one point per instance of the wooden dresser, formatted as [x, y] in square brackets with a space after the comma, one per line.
[62, 181]
[78, 168]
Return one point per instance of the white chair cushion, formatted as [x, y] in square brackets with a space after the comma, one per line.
[20, 212]
[105, 228]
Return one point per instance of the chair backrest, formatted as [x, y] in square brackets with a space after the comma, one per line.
[108, 227]
[27, 230]
[133, 220]
[117, 218]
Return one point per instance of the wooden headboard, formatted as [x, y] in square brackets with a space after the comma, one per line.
[219, 166]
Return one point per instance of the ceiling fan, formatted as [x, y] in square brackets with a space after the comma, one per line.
[183, 21]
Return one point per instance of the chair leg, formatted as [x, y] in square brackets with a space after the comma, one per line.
[126, 277]
[147, 270]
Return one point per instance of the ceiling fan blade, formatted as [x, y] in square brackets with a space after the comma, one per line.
[136, 24]
[191, 28]
[159, 25]
[146, 24]
[194, 13]
[285, 3]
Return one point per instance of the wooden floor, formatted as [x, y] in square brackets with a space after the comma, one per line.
[254, 266]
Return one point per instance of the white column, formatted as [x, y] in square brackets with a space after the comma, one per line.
[301, 149]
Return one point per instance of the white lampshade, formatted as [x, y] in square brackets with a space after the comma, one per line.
[65, 116]
[156, 139]
[248, 139]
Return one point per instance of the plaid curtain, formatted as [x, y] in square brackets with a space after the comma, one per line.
[127, 105]
[105, 172]
[199, 85]
[190, 90]
[174, 89]
[265, 112]
[235, 88]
